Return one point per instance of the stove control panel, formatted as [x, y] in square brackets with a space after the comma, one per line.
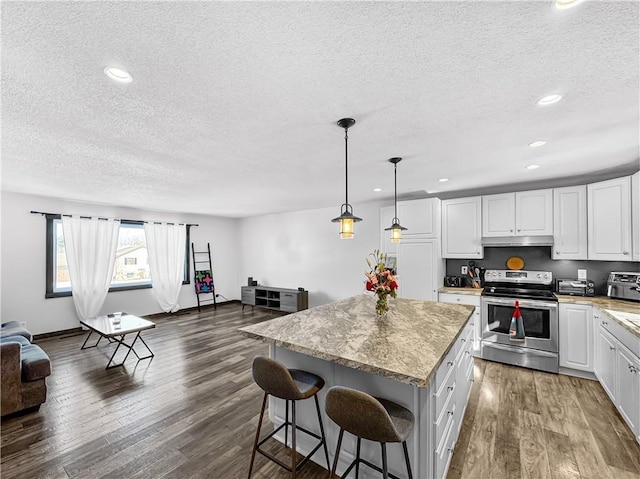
[518, 277]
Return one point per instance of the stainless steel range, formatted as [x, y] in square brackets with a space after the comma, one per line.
[539, 308]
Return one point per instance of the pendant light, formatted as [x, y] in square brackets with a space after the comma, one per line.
[396, 229]
[346, 218]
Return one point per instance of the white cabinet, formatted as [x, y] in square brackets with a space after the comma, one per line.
[475, 322]
[462, 228]
[609, 220]
[526, 213]
[570, 222]
[635, 216]
[605, 366]
[576, 336]
[617, 367]
[420, 269]
[420, 217]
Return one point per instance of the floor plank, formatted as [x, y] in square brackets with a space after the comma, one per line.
[191, 412]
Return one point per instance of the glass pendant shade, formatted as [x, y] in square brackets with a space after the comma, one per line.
[346, 218]
[395, 228]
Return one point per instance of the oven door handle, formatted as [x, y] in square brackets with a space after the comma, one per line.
[524, 303]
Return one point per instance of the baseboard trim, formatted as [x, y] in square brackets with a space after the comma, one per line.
[577, 373]
[76, 331]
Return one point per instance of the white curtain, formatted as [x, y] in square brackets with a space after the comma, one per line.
[166, 249]
[90, 245]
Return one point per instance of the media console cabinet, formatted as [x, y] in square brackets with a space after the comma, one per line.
[278, 299]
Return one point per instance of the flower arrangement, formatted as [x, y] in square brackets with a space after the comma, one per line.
[381, 279]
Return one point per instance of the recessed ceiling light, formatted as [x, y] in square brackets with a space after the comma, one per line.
[564, 4]
[118, 74]
[443, 180]
[533, 167]
[536, 144]
[550, 99]
[377, 190]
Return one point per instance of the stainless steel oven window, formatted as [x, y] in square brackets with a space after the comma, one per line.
[536, 321]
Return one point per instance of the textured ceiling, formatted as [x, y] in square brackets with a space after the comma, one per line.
[233, 106]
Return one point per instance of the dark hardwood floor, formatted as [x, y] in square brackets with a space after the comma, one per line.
[191, 412]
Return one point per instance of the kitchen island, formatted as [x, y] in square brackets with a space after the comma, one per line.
[417, 356]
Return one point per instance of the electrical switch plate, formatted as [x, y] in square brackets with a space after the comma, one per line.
[463, 270]
[582, 274]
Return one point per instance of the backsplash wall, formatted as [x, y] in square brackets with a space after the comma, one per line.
[538, 258]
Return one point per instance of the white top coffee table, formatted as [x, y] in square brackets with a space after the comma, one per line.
[107, 327]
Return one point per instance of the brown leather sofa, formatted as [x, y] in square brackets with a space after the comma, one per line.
[24, 368]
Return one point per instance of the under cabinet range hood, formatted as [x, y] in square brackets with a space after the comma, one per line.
[517, 241]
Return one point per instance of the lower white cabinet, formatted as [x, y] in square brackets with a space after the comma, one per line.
[476, 323]
[576, 336]
[618, 369]
[628, 374]
[606, 362]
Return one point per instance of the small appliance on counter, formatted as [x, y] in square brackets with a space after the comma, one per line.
[575, 287]
[453, 282]
[622, 285]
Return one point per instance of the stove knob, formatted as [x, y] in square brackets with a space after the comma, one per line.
[499, 274]
[546, 276]
[539, 275]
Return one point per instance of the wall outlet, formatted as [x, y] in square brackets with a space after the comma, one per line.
[463, 270]
[582, 274]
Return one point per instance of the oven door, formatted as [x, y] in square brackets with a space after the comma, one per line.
[540, 320]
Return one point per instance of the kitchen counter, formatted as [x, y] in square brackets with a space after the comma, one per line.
[408, 345]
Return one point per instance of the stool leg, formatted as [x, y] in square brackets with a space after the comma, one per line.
[358, 457]
[286, 421]
[335, 459]
[385, 472]
[293, 440]
[255, 443]
[324, 439]
[406, 458]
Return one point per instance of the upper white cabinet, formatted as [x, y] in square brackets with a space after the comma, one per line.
[609, 220]
[526, 213]
[576, 336]
[420, 269]
[570, 222]
[420, 217]
[462, 228]
[635, 216]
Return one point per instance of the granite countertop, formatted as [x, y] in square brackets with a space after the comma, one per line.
[408, 345]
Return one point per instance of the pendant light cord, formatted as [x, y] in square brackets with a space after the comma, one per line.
[395, 189]
[346, 168]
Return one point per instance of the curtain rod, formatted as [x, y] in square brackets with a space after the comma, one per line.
[105, 218]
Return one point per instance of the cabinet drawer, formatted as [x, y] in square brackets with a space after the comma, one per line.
[448, 415]
[445, 393]
[471, 300]
[447, 366]
[288, 299]
[443, 452]
[288, 308]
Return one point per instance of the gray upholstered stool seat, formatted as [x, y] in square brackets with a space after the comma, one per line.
[291, 385]
[367, 417]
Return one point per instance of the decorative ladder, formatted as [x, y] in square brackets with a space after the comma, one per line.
[203, 278]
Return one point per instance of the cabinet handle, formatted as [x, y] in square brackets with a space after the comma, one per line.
[472, 380]
[451, 388]
[611, 348]
[510, 231]
[604, 323]
[467, 352]
[519, 230]
[633, 369]
[463, 340]
[450, 413]
[557, 252]
[449, 363]
[450, 449]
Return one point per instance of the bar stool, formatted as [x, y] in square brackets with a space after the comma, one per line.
[369, 418]
[291, 385]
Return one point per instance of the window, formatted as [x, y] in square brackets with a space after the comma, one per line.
[131, 269]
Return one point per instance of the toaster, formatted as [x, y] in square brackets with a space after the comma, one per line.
[575, 287]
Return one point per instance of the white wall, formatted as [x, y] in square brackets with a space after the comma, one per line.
[303, 249]
[22, 289]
